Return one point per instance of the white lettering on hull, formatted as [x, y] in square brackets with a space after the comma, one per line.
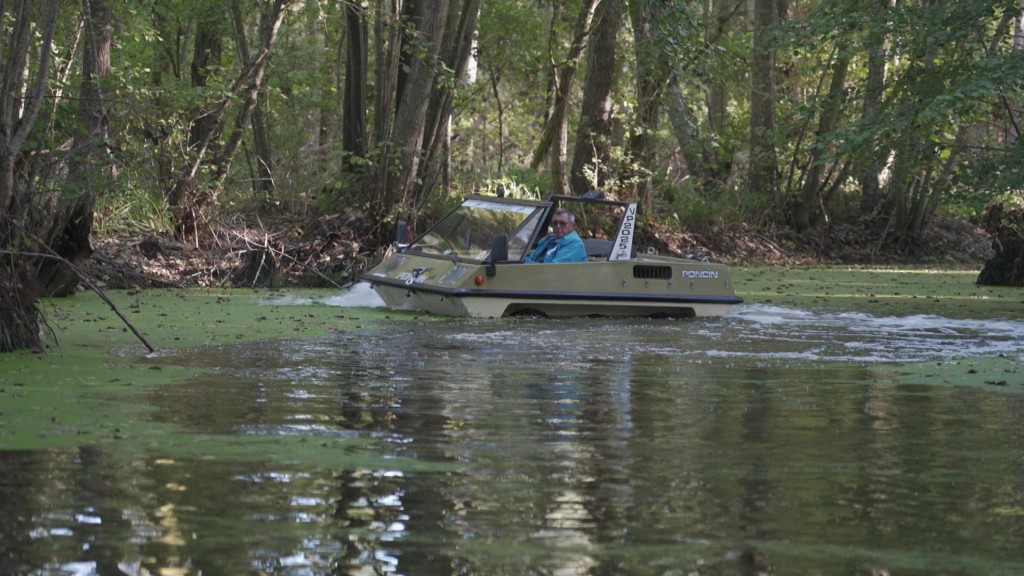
[700, 274]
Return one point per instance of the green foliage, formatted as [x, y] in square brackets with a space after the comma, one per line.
[946, 81]
[621, 172]
[944, 105]
[684, 206]
[132, 211]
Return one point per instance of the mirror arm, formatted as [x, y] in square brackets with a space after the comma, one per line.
[400, 236]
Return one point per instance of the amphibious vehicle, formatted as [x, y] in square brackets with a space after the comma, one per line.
[472, 262]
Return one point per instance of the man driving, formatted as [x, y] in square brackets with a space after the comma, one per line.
[563, 244]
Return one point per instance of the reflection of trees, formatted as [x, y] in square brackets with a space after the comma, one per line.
[62, 510]
[534, 442]
[104, 526]
[575, 456]
[27, 491]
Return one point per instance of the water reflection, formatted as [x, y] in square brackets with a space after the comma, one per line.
[734, 446]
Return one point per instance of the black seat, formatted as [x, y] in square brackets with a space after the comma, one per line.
[597, 248]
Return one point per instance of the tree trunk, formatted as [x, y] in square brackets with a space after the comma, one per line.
[684, 127]
[921, 176]
[255, 67]
[264, 185]
[1018, 48]
[810, 206]
[763, 160]
[71, 224]
[1006, 267]
[653, 73]
[206, 53]
[387, 46]
[457, 51]
[189, 196]
[594, 134]
[720, 162]
[387, 41]
[353, 111]
[871, 167]
[410, 117]
[21, 98]
[553, 143]
[184, 197]
[264, 153]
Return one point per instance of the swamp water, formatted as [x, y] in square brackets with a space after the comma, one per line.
[775, 440]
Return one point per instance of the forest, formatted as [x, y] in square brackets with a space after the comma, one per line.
[176, 118]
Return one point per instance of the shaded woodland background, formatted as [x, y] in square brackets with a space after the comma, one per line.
[179, 119]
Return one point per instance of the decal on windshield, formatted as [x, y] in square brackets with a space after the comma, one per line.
[498, 206]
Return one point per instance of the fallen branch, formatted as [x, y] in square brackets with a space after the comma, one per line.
[85, 278]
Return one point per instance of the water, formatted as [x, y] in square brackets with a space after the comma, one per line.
[773, 440]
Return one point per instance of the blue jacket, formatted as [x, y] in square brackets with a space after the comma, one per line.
[568, 249]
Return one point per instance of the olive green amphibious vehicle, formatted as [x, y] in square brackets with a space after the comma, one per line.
[473, 263]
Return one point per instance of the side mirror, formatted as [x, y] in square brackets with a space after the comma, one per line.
[499, 253]
[400, 241]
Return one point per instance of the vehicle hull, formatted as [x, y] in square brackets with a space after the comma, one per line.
[643, 286]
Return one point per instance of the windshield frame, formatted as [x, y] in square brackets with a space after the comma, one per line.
[466, 233]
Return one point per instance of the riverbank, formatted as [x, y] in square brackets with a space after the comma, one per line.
[332, 254]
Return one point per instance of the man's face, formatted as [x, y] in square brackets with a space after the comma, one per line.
[560, 225]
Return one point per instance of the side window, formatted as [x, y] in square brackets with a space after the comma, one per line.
[519, 243]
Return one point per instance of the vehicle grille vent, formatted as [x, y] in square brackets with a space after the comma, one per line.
[652, 272]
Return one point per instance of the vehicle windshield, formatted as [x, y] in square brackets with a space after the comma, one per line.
[468, 230]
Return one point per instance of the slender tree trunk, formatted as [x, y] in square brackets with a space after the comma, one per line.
[1018, 48]
[191, 195]
[653, 73]
[919, 179]
[207, 51]
[495, 75]
[329, 126]
[387, 43]
[720, 13]
[871, 167]
[183, 195]
[255, 67]
[718, 96]
[71, 224]
[594, 134]
[387, 49]
[162, 63]
[264, 185]
[810, 206]
[684, 127]
[763, 159]
[264, 152]
[250, 111]
[457, 51]
[353, 112]
[551, 72]
[553, 142]
[1018, 28]
[410, 116]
